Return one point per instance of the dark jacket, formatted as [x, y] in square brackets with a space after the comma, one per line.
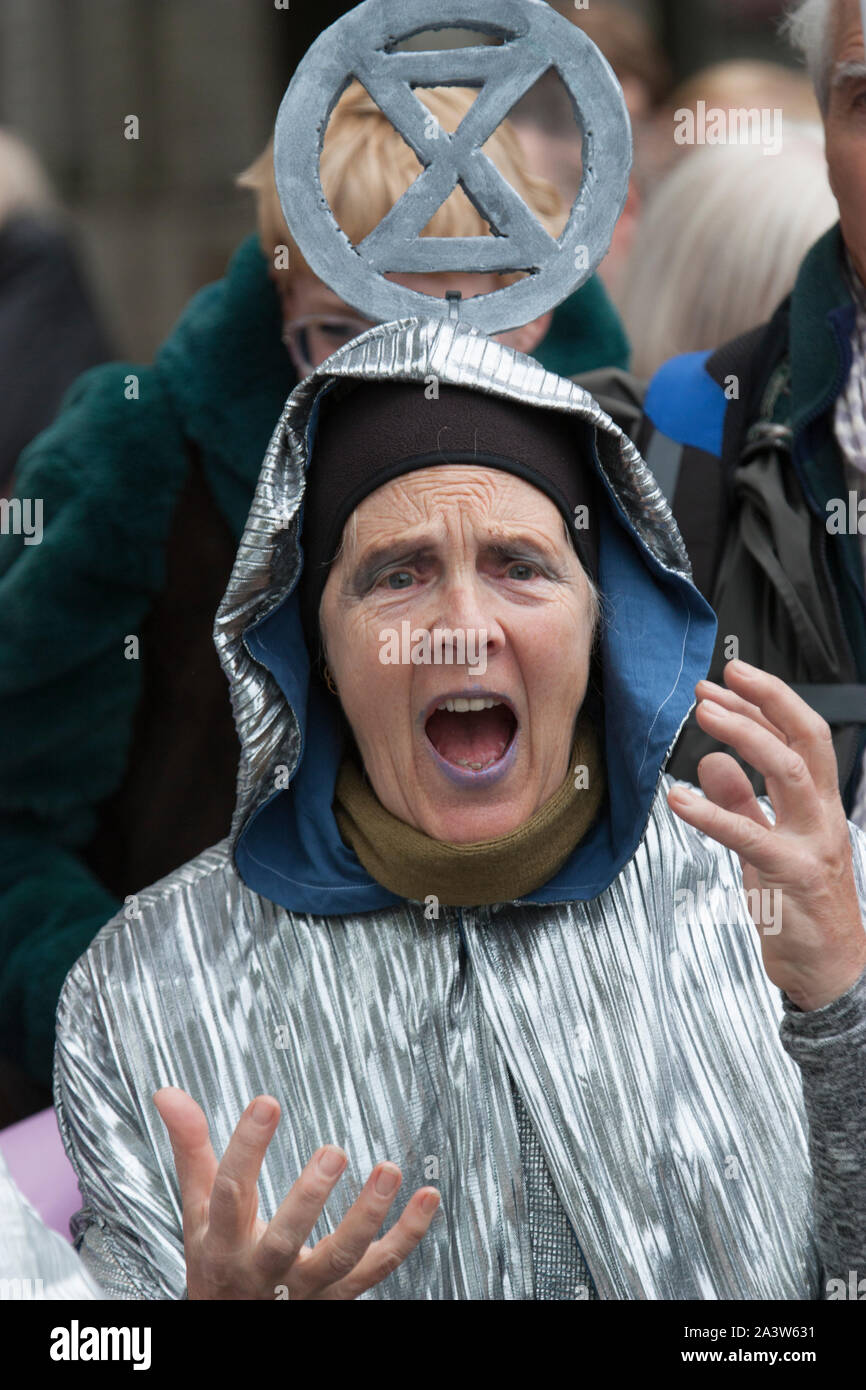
[741, 441]
[115, 767]
[49, 331]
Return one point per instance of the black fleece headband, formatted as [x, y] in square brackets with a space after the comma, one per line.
[372, 432]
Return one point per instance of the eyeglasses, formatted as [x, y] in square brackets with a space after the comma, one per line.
[315, 336]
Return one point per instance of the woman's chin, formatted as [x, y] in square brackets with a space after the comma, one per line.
[467, 819]
[474, 830]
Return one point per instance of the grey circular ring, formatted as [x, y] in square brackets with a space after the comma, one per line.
[357, 45]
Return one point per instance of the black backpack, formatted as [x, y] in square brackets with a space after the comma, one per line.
[763, 558]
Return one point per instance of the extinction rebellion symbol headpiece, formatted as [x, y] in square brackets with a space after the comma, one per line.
[531, 39]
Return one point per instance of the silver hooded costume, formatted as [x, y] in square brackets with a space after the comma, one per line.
[642, 1038]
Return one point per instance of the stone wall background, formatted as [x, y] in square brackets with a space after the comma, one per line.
[156, 217]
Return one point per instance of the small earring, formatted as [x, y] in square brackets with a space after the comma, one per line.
[329, 681]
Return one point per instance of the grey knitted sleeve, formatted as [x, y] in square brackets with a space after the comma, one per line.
[829, 1046]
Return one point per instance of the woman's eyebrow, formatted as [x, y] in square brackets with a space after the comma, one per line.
[501, 545]
[379, 557]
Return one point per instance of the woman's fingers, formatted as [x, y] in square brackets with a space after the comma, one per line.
[725, 783]
[806, 732]
[194, 1158]
[757, 844]
[721, 695]
[384, 1255]
[289, 1227]
[220, 1204]
[234, 1195]
[336, 1255]
[788, 775]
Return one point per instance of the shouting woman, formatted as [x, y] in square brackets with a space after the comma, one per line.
[610, 1032]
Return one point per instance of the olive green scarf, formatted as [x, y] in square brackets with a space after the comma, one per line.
[414, 865]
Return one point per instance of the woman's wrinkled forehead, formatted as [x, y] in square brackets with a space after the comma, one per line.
[451, 516]
[375, 434]
[452, 501]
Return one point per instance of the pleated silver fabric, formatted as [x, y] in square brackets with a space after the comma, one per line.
[645, 1051]
[643, 1044]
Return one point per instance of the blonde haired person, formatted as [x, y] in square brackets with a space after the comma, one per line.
[111, 779]
[366, 167]
[740, 85]
[720, 244]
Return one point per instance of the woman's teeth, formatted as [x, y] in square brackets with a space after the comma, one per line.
[461, 706]
[478, 739]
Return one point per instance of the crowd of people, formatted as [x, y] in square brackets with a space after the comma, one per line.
[251, 869]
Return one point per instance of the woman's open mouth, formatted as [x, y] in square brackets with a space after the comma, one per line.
[471, 734]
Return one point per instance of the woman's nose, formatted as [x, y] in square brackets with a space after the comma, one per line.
[467, 606]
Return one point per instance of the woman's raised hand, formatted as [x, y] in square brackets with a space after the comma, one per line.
[232, 1254]
[816, 949]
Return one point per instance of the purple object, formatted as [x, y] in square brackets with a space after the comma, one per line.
[37, 1161]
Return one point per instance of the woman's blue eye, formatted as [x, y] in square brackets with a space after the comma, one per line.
[399, 574]
[520, 566]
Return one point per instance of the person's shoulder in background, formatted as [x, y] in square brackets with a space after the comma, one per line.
[50, 329]
[619, 393]
[695, 412]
